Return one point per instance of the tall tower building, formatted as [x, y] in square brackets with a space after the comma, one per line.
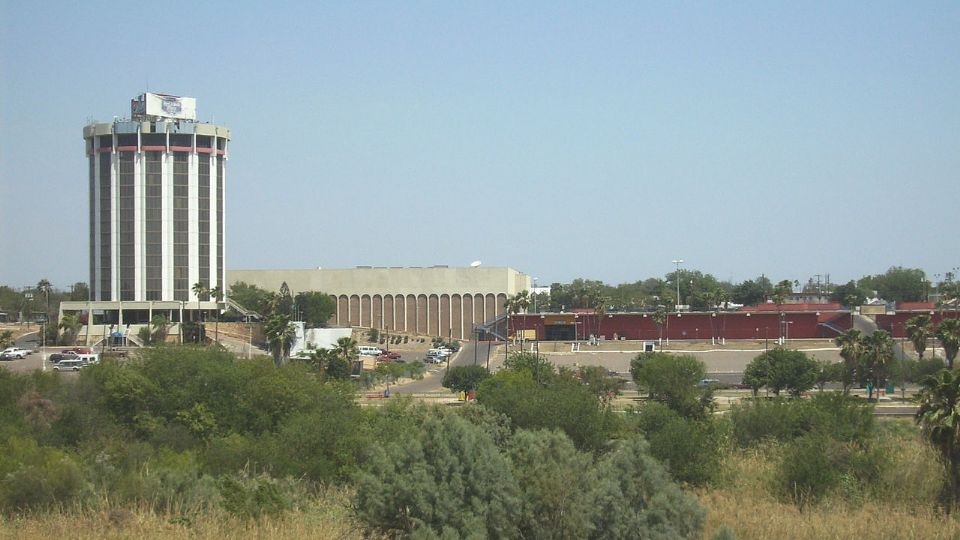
[157, 187]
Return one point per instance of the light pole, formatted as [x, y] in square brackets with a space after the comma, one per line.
[676, 278]
[535, 295]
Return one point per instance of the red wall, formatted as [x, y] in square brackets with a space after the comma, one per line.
[640, 326]
[895, 323]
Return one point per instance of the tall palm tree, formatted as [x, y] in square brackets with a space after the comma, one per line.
[851, 350]
[780, 294]
[660, 317]
[948, 333]
[280, 334]
[44, 287]
[217, 294]
[878, 353]
[919, 330]
[199, 289]
[160, 324]
[939, 417]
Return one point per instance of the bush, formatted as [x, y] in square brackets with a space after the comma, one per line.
[446, 479]
[692, 450]
[836, 415]
[254, 496]
[672, 380]
[37, 478]
[635, 498]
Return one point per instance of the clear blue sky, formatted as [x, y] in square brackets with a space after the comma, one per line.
[598, 140]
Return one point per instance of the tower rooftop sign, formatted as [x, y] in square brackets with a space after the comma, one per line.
[149, 106]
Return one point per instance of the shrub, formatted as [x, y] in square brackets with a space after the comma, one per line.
[37, 478]
[635, 498]
[254, 496]
[834, 414]
[692, 450]
[555, 485]
[446, 478]
[672, 380]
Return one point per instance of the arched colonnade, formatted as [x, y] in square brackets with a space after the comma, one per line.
[445, 315]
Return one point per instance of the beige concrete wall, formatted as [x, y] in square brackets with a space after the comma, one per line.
[436, 301]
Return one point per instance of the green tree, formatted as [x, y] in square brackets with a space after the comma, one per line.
[555, 482]
[635, 498]
[692, 450]
[948, 334]
[44, 287]
[783, 369]
[919, 329]
[851, 350]
[465, 378]
[70, 324]
[251, 297]
[346, 349]
[199, 289]
[672, 380]
[446, 479]
[939, 418]
[878, 355]
[752, 292]
[79, 292]
[849, 294]
[280, 334]
[315, 308]
[160, 325]
[898, 284]
[6, 339]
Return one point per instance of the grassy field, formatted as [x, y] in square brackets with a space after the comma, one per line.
[900, 507]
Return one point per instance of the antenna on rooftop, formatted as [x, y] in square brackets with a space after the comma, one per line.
[475, 264]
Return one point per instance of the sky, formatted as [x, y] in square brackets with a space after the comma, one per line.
[600, 140]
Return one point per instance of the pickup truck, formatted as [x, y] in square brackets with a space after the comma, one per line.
[14, 352]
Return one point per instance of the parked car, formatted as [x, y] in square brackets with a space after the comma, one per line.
[59, 357]
[389, 357]
[366, 350]
[14, 352]
[709, 382]
[69, 364]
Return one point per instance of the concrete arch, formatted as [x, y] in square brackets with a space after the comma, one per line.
[445, 315]
[400, 312]
[467, 311]
[479, 314]
[422, 314]
[343, 310]
[433, 315]
[354, 318]
[456, 315]
[376, 311]
[335, 316]
[490, 307]
[365, 310]
[411, 313]
[388, 314]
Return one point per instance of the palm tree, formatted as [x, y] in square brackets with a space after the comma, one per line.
[780, 294]
[878, 353]
[660, 317]
[217, 294]
[346, 348]
[851, 350]
[44, 287]
[160, 325]
[198, 289]
[516, 303]
[280, 334]
[919, 330]
[948, 333]
[939, 417]
[70, 324]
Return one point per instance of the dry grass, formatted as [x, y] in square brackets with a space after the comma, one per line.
[903, 505]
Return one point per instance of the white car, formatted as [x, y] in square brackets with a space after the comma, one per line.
[70, 364]
[14, 352]
[366, 350]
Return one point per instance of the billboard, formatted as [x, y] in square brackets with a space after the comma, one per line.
[164, 106]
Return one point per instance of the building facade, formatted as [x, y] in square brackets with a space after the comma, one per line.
[436, 301]
[157, 190]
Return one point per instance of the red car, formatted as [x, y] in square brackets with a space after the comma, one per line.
[388, 356]
[78, 350]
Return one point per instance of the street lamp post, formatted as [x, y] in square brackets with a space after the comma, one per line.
[676, 278]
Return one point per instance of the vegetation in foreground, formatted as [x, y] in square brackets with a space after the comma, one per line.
[197, 443]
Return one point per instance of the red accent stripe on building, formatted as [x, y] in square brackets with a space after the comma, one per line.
[126, 149]
[154, 148]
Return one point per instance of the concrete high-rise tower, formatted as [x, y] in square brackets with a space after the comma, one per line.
[157, 190]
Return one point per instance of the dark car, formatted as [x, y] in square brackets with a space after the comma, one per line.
[57, 357]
